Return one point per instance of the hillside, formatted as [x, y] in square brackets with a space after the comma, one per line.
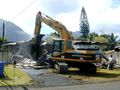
[13, 32]
[76, 34]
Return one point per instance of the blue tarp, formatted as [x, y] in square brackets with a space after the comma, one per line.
[2, 63]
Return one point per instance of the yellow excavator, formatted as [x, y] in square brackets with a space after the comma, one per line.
[66, 52]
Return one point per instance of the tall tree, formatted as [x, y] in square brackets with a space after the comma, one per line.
[84, 24]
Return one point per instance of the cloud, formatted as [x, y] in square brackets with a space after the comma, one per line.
[10, 11]
[70, 20]
[60, 6]
[102, 14]
[10, 8]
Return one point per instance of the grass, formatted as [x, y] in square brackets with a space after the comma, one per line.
[102, 75]
[14, 76]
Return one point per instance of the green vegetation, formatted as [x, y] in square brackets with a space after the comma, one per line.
[14, 76]
[84, 25]
[109, 39]
[112, 40]
[3, 40]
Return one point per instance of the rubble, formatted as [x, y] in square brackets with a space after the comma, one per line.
[25, 63]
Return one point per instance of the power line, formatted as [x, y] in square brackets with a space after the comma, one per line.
[23, 10]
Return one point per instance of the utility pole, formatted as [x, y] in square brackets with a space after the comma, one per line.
[3, 35]
[2, 48]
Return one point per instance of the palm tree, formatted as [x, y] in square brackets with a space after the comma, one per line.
[112, 41]
[102, 40]
[92, 36]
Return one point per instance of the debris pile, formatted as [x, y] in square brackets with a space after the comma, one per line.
[26, 63]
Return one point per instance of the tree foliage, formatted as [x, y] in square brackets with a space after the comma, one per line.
[84, 24]
[92, 36]
[55, 34]
[112, 40]
[109, 39]
[101, 39]
[2, 40]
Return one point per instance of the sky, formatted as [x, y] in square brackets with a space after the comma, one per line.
[103, 15]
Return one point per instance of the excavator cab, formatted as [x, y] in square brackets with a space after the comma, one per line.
[60, 46]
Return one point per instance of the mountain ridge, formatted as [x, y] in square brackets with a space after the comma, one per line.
[12, 32]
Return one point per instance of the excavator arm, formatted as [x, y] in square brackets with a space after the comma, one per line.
[59, 27]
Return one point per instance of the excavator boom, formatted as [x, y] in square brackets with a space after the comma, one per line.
[59, 27]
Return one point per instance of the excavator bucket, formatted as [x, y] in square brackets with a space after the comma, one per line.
[37, 48]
